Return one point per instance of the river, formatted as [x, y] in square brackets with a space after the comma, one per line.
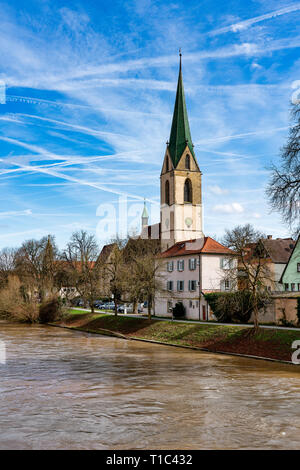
[63, 389]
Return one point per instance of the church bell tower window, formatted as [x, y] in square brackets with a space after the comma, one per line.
[188, 191]
[167, 193]
[187, 162]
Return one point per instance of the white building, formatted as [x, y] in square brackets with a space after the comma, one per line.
[187, 271]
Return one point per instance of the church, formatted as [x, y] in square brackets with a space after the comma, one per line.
[190, 263]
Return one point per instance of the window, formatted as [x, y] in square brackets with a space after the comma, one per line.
[170, 285]
[191, 304]
[293, 287]
[192, 285]
[227, 284]
[167, 164]
[286, 286]
[170, 306]
[180, 286]
[188, 191]
[298, 267]
[167, 193]
[226, 263]
[299, 287]
[170, 266]
[187, 162]
[180, 265]
[192, 263]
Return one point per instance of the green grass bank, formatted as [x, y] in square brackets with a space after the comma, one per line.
[266, 343]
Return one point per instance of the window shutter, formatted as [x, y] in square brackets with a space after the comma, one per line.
[190, 285]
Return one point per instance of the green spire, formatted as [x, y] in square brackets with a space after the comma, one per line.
[180, 132]
[145, 212]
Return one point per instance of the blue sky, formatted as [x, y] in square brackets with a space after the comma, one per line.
[90, 90]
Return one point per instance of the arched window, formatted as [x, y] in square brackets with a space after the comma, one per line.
[187, 162]
[188, 191]
[167, 193]
[167, 164]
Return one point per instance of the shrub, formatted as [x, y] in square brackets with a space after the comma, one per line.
[12, 304]
[222, 314]
[50, 311]
[233, 306]
[179, 310]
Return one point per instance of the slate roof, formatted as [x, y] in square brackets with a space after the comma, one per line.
[279, 249]
[210, 246]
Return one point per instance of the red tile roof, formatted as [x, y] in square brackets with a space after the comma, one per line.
[189, 247]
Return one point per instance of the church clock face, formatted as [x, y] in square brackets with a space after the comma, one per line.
[188, 222]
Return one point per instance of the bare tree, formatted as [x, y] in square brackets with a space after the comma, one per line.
[7, 264]
[35, 266]
[140, 255]
[81, 255]
[253, 268]
[284, 186]
[115, 271]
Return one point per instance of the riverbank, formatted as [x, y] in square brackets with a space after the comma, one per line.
[232, 339]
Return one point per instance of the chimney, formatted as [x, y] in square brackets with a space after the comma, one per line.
[269, 237]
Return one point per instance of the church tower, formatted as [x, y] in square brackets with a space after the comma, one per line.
[180, 180]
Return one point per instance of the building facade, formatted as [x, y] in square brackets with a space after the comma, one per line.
[187, 271]
[290, 278]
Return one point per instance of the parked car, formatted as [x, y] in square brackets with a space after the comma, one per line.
[99, 304]
[140, 308]
[129, 308]
[108, 306]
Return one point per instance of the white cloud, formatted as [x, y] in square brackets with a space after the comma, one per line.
[234, 207]
[15, 213]
[256, 66]
[217, 190]
[241, 25]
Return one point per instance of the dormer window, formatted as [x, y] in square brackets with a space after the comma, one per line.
[187, 162]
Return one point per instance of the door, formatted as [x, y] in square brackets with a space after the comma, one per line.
[203, 313]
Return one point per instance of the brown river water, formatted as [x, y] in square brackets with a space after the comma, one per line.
[63, 389]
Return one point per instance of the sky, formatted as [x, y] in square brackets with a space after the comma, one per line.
[87, 91]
